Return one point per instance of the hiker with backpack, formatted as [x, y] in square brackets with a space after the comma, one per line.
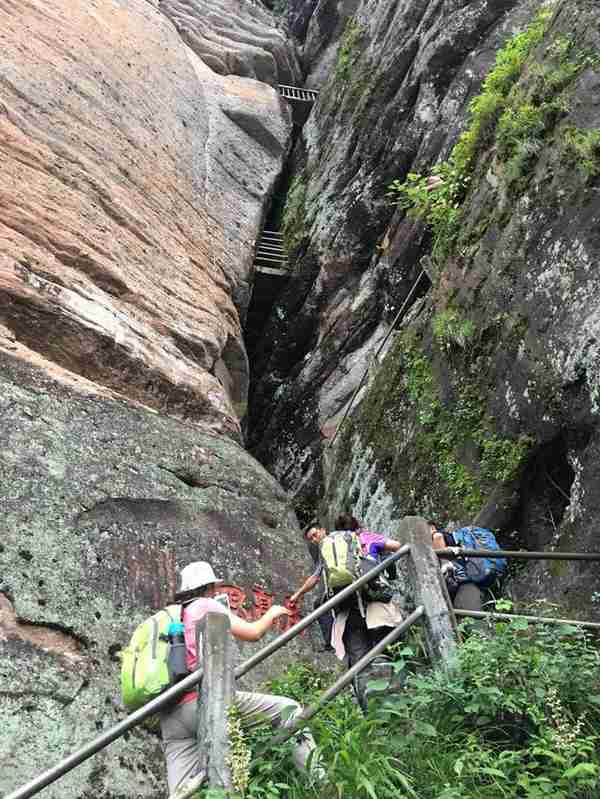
[467, 579]
[361, 621]
[325, 621]
[194, 599]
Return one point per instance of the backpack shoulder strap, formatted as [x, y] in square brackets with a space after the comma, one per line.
[174, 611]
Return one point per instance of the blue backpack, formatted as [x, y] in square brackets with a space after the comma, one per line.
[482, 571]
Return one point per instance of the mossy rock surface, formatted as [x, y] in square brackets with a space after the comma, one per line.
[102, 503]
[486, 405]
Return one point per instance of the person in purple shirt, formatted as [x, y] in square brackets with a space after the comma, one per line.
[354, 629]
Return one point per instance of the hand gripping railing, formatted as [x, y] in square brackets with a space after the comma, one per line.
[459, 552]
[72, 761]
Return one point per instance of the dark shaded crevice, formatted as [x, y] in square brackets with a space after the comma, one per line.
[54, 637]
[544, 494]
[62, 699]
[129, 510]
[265, 322]
[80, 640]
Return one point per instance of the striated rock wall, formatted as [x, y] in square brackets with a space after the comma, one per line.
[235, 39]
[395, 99]
[485, 406]
[133, 183]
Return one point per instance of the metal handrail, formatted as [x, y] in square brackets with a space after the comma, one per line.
[346, 678]
[190, 789]
[189, 682]
[524, 554]
[392, 328]
[480, 614]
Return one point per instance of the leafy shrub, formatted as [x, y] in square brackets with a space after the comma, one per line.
[506, 116]
[582, 149]
[517, 717]
[449, 327]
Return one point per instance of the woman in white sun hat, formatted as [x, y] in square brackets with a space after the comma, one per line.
[198, 586]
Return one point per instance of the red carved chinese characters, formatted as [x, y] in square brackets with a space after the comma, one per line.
[262, 602]
[237, 597]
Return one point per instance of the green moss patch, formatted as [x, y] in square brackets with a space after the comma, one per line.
[581, 149]
[294, 213]
[523, 100]
[455, 456]
[348, 50]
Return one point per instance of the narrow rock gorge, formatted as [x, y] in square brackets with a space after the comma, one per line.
[139, 146]
[467, 323]
[434, 350]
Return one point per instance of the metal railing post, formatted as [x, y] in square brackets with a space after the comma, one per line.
[215, 698]
[54, 773]
[430, 590]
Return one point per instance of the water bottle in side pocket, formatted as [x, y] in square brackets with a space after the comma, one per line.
[177, 660]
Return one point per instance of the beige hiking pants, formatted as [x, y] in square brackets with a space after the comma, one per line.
[178, 727]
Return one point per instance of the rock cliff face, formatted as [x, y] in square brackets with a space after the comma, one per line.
[394, 98]
[133, 183]
[485, 406]
[235, 39]
[101, 503]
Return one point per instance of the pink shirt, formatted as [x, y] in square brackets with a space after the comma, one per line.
[192, 614]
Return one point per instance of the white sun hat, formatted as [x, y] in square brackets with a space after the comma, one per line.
[196, 575]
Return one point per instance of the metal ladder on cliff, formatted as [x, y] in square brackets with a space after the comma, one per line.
[297, 93]
[270, 256]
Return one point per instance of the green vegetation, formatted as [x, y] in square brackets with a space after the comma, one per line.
[581, 148]
[431, 397]
[521, 103]
[517, 718]
[437, 199]
[293, 218]
[449, 328]
[240, 754]
[451, 422]
[348, 50]
[501, 458]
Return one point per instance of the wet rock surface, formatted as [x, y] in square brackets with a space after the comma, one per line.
[102, 502]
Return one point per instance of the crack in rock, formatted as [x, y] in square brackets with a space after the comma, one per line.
[48, 636]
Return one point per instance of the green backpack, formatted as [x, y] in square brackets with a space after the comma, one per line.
[341, 555]
[144, 662]
[344, 562]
